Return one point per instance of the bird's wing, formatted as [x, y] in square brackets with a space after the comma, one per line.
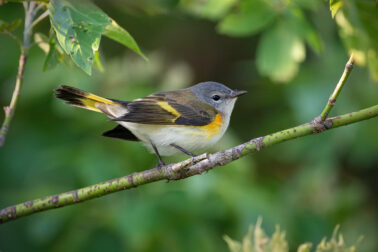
[169, 108]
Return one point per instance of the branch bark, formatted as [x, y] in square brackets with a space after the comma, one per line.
[184, 169]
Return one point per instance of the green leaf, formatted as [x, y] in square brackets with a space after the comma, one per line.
[300, 24]
[97, 62]
[78, 26]
[211, 9]
[279, 52]
[42, 41]
[358, 28]
[252, 17]
[53, 57]
[334, 6]
[117, 33]
[7, 27]
[308, 4]
[368, 15]
[48, 45]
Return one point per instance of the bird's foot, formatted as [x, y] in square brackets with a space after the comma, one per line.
[186, 164]
[160, 165]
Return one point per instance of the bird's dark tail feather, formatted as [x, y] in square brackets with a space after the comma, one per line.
[79, 98]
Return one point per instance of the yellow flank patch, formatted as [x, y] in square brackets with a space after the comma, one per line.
[165, 105]
[214, 127]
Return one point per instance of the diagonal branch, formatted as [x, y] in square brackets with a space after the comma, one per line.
[189, 167]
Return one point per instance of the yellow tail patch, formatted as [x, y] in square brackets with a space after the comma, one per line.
[80, 98]
[90, 101]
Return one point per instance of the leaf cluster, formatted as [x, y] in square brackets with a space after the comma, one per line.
[76, 31]
[358, 29]
[286, 28]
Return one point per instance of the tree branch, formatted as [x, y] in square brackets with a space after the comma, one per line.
[9, 110]
[187, 168]
[193, 166]
[332, 99]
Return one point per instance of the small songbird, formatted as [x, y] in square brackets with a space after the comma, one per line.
[186, 120]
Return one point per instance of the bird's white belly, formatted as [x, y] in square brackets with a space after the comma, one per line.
[191, 138]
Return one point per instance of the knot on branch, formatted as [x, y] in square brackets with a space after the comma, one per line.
[319, 124]
[187, 167]
[8, 110]
[8, 214]
[349, 66]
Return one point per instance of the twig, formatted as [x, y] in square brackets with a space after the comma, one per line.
[10, 34]
[332, 99]
[40, 18]
[29, 16]
[40, 6]
[176, 171]
[9, 110]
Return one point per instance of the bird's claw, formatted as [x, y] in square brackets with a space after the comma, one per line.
[186, 164]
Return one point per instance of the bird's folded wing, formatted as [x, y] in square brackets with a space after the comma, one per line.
[163, 109]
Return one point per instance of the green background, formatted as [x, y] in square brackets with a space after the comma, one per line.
[307, 185]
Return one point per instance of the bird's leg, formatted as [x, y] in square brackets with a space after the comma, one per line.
[183, 150]
[161, 162]
[184, 166]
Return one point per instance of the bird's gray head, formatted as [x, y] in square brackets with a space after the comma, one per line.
[217, 95]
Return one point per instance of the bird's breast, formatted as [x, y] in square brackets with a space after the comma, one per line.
[191, 138]
[215, 127]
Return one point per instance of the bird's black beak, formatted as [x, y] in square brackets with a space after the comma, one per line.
[237, 93]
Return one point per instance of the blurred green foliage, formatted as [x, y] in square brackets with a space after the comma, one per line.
[308, 185]
[358, 25]
[257, 241]
[286, 28]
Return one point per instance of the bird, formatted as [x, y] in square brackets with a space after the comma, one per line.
[185, 120]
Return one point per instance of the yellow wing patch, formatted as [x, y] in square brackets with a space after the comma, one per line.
[165, 105]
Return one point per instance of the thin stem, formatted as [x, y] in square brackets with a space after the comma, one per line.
[29, 16]
[10, 34]
[332, 99]
[39, 7]
[9, 110]
[40, 18]
[187, 168]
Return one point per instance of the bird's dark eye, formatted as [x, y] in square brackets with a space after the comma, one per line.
[215, 97]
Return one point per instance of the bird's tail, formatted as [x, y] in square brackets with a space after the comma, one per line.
[80, 98]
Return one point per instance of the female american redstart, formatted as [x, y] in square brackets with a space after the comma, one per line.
[185, 120]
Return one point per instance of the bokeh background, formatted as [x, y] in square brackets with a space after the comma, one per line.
[307, 186]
